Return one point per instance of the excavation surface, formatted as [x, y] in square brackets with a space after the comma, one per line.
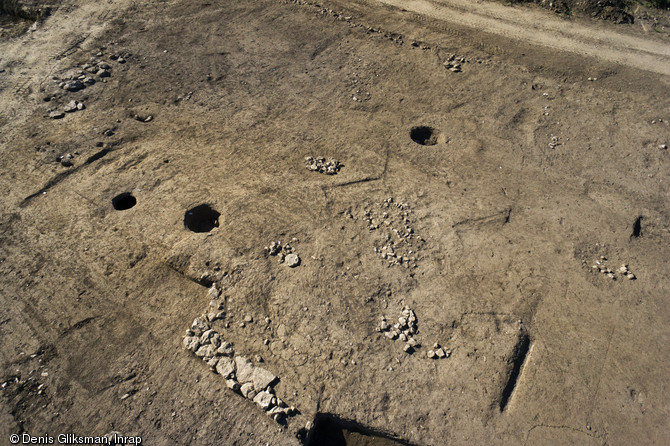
[474, 226]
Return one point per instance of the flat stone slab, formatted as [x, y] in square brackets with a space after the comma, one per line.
[245, 370]
[225, 367]
[262, 378]
[264, 400]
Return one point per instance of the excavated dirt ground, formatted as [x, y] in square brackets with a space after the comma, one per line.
[535, 173]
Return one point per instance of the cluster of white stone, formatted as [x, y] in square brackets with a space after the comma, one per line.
[251, 381]
[601, 266]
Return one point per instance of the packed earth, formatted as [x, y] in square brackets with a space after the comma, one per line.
[337, 222]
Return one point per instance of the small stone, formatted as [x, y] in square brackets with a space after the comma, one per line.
[205, 351]
[278, 413]
[233, 385]
[70, 107]
[431, 354]
[215, 340]
[292, 260]
[102, 73]
[623, 269]
[213, 362]
[390, 334]
[630, 276]
[248, 318]
[384, 326]
[264, 400]
[199, 326]
[74, 85]
[413, 342]
[213, 292]
[191, 343]
[56, 114]
[262, 378]
[225, 349]
[663, 147]
[408, 348]
[247, 390]
[440, 353]
[206, 336]
[225, 367]
[245, 369]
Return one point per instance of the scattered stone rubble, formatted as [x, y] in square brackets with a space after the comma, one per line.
[217, 308]
[66, 160]
[623, 271]
[55, 114]
[404, 330]
[330, 166]
[399, 242]
[74, 106]
[284, 252]
[453, 63]
[70, 107]
[88, 74]
[142, 118]
[241, 375]
[75, 80]
[438, 352]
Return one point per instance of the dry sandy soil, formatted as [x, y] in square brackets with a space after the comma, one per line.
[550, 154]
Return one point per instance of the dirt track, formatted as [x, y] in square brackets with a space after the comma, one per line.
[536, 173]
[540, 27]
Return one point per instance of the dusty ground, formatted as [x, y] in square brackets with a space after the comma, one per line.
[537, 172]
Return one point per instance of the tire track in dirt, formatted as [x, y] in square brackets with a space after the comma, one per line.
[540, 28]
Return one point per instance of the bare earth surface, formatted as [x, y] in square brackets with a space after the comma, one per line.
[549, 169]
